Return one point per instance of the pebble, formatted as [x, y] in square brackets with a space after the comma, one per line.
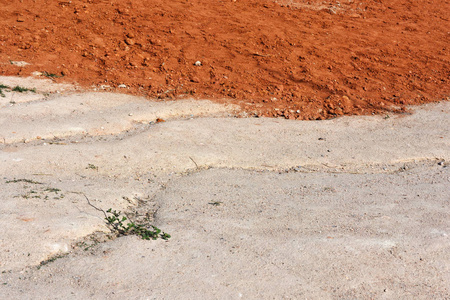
[19, 63]
[121, 86]
[198, 63]
[130, 41]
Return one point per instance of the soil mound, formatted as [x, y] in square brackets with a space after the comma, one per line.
[291, 58]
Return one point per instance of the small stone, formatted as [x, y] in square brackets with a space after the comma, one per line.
[19, 63]
[198, 63]
[130, 41]
[122, 86]
[330, 10]
[36, 73]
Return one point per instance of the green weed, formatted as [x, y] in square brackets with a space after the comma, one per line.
[91, 166]
[3, 87]
[50, 75]
[116, 222]
[23, 180]
[52, 190]
[17, 88]
[21, 89]
[51, 259]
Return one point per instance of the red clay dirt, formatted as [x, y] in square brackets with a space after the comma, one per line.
[290, 58]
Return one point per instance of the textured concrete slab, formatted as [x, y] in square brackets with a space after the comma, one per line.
[264, 235]
[355, 207]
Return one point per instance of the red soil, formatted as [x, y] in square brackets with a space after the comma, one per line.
[292, 58]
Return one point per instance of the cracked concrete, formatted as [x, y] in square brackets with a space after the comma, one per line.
[355, 207]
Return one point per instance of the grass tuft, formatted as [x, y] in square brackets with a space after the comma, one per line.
[21, 89]
[51, 75]
[3, 87]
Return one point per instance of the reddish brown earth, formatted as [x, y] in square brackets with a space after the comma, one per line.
[292, 58]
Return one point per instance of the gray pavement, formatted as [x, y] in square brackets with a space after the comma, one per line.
[355, 207]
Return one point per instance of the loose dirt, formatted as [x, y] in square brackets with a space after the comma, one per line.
[295, 59]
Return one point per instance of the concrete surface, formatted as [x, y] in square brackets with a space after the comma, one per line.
[355, 207]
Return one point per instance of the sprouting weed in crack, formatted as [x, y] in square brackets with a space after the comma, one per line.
[92, 167]
[23, 180]
[17, 88]
[116, 223]
[22, 89]
[51, 75]
[2, 87]
[52, 259]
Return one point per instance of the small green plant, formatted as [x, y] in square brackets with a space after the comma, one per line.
[215, 203]
[51, 259]
[52, 190]
[116, 221]
[91, 166]
[85, 246]
[21, 89]
[50, 75]
[90, 242]
[35, 192]
[3, 87]
[23, 180]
